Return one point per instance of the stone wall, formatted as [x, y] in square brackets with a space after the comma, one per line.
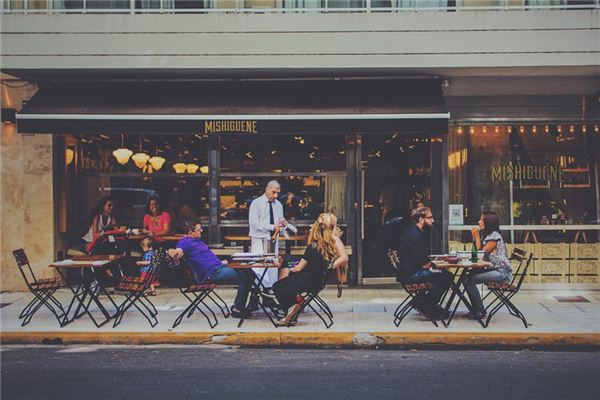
[27, 210]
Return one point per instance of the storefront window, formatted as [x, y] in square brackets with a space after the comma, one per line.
[528, 174]
[174, 168]
[310, 170]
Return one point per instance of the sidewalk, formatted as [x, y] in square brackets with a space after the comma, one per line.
[362, 318]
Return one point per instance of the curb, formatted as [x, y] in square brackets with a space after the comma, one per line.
[374, 340]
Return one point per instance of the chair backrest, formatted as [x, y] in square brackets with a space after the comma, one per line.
[23, 264]
[394, 260]
[517, 258]
[160, 260]
[523, 273]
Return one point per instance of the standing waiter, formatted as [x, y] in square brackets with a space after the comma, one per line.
[265, 220]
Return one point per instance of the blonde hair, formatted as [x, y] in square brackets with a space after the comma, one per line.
[146, 242]
[322, 234]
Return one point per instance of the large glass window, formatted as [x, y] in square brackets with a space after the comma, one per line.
[529, 174]
[174, 168]
[310, 170]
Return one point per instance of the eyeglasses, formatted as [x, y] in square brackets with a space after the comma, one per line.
[430, 217]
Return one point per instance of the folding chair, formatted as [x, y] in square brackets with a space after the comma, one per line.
[310, 297]
[415, 291]
[135, 289]
[42, 290]
[504, 292]
[197, 294]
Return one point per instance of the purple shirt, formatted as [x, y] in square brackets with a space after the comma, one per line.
[201, 260]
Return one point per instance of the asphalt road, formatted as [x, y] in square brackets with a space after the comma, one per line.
[197, 372]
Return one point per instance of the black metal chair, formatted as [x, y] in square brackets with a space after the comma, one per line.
[504, 292]
[42, 289]
[310, 298]
[197, 294]
[136, 288]
[415, 291]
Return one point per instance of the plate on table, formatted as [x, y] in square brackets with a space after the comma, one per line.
[452, 259]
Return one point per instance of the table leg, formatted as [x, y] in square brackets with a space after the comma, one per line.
[457, 291]
[255, 286]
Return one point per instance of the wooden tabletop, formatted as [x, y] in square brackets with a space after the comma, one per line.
[240, 265]
[164, 238]
[461, 264]
[87, 261]
[245, 238]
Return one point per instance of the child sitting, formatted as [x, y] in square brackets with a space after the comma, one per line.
[146, 263]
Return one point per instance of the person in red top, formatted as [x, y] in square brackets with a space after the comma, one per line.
[156, 222]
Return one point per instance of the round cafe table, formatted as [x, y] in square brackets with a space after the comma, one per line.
[457, 288]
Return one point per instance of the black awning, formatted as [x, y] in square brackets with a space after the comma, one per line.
[285, 106]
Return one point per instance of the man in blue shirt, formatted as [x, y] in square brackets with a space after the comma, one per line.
[207, 267]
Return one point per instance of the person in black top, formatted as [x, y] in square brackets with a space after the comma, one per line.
[324, 247]
[413, 251]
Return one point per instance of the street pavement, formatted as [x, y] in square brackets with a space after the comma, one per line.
[224, 372]
[363, 317]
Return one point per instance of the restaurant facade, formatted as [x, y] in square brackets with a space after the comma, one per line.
[365, 145]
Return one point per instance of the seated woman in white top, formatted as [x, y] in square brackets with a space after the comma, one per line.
[500, 271]
[100, 218]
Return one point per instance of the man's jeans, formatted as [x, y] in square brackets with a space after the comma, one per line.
[497, 275]
[228, 276]
[440, 280]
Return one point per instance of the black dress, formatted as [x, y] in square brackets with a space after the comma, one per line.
[309, 278]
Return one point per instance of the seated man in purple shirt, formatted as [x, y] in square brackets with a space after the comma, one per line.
[206, 267]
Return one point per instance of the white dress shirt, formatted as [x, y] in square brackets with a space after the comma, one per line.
[258, 217]
[260, 232]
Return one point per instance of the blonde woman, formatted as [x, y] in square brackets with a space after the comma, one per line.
[324, 247]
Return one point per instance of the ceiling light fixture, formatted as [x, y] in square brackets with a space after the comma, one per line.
[122, 154]
[140, 158]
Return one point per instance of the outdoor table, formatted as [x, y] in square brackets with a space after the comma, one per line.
[247, 239]
[455, 287]
[89, 288]
[255, 284]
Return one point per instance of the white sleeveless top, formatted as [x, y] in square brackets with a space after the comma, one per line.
[89, 236]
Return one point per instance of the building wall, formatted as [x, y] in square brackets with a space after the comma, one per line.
[413, 42]
[27, 212]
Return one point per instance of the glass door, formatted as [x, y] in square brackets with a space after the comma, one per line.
[395, 177]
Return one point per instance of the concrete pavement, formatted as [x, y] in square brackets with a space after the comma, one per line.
[558, 315]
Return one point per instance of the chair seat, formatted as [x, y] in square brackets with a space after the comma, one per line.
[502, 286]
[418, 287]
[47, 283]
[200, 287]
[131, 279]
[134, 287]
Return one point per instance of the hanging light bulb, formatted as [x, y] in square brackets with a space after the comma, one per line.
[122, 154]
[191, 168]
[204, 169]
[140, 159]
[69, 154]
[179, 167]
[157, 162]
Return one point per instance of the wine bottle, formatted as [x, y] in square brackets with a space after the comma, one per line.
[473, 252]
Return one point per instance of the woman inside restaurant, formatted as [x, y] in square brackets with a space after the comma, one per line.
[494, 248]
[324, 248]
[101, 219]
[156, 222]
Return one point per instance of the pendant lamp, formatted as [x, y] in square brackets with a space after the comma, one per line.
[140, 159]
[122, 154]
